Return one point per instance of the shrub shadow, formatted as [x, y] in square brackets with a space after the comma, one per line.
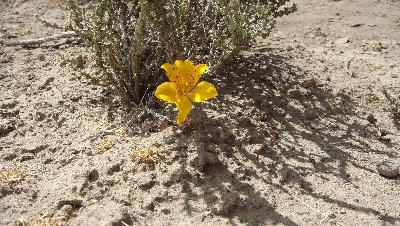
[266, 115]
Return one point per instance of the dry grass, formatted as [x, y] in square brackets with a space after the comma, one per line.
[41, 221]
[119, 132]
[11, 176]
[148, 155]
[108, 140]
[106, 143]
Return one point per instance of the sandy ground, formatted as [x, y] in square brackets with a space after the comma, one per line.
[294, 138]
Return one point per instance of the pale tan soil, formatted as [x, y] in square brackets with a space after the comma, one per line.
[287, 141]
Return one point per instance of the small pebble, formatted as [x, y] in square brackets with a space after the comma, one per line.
[5, 221]
[146, 182]
[169, 139]
[371, 119]
[311, 114]
[41, 57]
[342, 41]
[388, 168]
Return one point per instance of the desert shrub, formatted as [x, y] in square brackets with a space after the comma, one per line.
[131, 39]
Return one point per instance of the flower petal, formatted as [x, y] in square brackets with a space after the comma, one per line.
[184, 74]
[172, 71]
[203, 91]
[200, 68]
[184, 107]
[166, 91]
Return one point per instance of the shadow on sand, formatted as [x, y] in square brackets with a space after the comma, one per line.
[269, 115]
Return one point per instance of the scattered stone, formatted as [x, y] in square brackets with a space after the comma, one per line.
[75, 97]
[74, 203]
[9, 103]
[388, 168]
[5, 59]
[148, 204]
[48, 160]
[40, 116]
[201, 157]
[92, 175]
[5, 221]
[166, 211]
[342, 211]
[66, 211]
[46, 83]
[41, 57]
[169, 139]
[6, 127]
[146, 182]
[311, 114]
[371, 119]
[342, 41]
[114, 168]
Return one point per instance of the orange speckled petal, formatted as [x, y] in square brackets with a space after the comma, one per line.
[172, 71]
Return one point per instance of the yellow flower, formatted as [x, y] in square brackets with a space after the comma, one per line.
[183, 88]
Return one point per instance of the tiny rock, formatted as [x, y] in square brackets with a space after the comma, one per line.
[46, 83]
[169, 139]
[388, 168]
[371, 119]
[9, 103]
[311, 114]
[146, 182]
[6, 127]
[41, 57]
[342, 41]
[6, 221]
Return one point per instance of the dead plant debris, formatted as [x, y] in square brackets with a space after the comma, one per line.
[11, 176]
[41, 221]
[148, 155]
[108, 140]
[105, 144]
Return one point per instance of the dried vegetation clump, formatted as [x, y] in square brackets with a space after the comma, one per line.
[131, 39]
[11, 176]
[40, 221]
[107, 141]
[148, 155]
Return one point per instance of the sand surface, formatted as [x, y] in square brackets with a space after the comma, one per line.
[294, 137]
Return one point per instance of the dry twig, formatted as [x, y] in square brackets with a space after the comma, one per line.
[47, 23]
[37, 41]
